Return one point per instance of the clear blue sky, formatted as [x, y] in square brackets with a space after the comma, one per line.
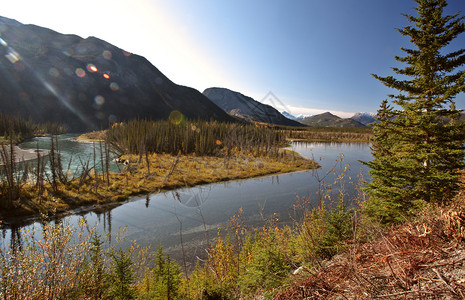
[314, 55]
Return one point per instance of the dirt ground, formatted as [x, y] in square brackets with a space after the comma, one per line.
[420, 260]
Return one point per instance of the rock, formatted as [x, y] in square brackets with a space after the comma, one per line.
[239, 105]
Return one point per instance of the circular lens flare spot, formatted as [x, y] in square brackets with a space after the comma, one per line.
[80, 73]
[91, 68]
[114, 86]
[106, 76]
[106, 54]
[176, 117]
[99, 100]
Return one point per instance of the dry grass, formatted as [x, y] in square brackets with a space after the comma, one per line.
[422, 259]
[166, 172]
[94, 136]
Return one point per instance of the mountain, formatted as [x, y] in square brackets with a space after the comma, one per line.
[86, 83]
[367, 118]
[327, 119]
[247, 108]
[364, 118]
[292, 117]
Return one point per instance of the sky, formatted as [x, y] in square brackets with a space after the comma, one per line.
[302, 56]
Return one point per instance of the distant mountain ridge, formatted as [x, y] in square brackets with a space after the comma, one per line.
[292, 117]
[327, 119]
[364, 118]
[86, 83]
[239, 105]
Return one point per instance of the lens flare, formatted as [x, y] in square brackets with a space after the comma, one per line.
[91, 68]
[99, 100]
[20, 64]
[126, 53]
[80, 73]
[107, 54]
[3, 43]
[68, 52]
[114, 86]
[12, 57]
[106, 76]
[176, 117]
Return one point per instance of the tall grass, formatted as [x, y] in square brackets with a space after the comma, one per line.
[200, 138]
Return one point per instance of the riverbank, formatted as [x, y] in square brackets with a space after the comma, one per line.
[90, 137]
[152, 174]
[22, 155]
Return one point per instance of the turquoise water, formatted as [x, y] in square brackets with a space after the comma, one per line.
[74, 154]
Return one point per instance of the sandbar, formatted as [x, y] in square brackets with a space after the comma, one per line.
[22, 154]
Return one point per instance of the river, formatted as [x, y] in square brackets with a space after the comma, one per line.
[200, 211]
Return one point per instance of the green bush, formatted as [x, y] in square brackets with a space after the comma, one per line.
[323, 233]
[121, 277]
[163, 281]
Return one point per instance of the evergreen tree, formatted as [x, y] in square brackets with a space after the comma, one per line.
[121, 278]
[163, 281]
[418, 148]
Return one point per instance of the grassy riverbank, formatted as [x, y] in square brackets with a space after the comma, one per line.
[157, 155]
[153, 173]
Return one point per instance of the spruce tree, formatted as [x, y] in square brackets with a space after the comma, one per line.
[418, 147]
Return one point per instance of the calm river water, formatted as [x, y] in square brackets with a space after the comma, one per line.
[200, 211]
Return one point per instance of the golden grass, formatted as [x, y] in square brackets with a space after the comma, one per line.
[166, 172]
[94, 136]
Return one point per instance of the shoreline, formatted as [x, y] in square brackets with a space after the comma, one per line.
[101, 207]
[23, 155]
[166, 173]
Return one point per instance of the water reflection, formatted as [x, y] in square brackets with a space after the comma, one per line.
[195, 214]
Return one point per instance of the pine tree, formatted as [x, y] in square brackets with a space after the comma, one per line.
[418, 148]
[121, 278]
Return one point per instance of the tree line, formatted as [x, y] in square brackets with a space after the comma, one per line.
[19, 128]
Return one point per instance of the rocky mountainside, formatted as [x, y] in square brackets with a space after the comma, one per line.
[292, 117]
[368, 118]
[247, 108]
[364, 118]
[86, 83]
[327, 119]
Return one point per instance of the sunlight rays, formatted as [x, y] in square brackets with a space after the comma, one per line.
[14, 57]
